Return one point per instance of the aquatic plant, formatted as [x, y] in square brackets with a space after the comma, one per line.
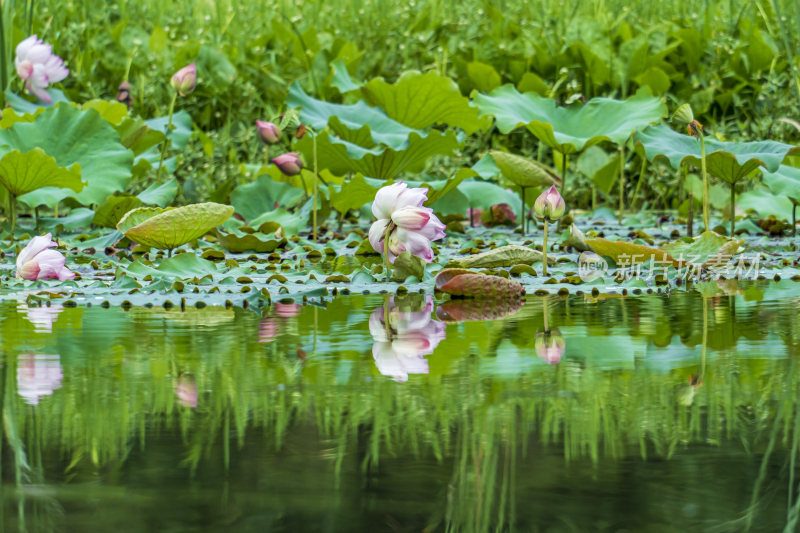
[36, 261]
[289, 163]
[403, 224]
[38, 66]
[550, 207]
[183, 81]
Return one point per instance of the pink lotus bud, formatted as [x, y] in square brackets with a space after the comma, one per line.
[289, 163]
[549, 205]
[37, 262]
[184, 80]
[269, 132]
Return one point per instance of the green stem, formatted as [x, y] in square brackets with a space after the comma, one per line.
[167, 140]
[564, 174]
[544, 249]
[523, 211]
[639, 183]
[4, 56]
[794, 219]
[733, 209]
[314, 214]
[621, 183]
[705, 179]
[386, 250]
[12, 213]
[690, 221]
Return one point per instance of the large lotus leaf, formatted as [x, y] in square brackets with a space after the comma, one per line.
[134, 133]
[784, 181]
[160, 194]
[112, 111]
[253, 199]
[766, 203]
[73, 136]
[168, 229]
[423, 100]
[728, 161]
[22, 173]
[182, 266]
[341, 158]
[181, 128]
[340, 77]
[571, 129]
[704, 249]
[113, 209]
[524, 172]
[353, 194]
[20, 104]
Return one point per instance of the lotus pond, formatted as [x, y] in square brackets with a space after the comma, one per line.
[659, 412]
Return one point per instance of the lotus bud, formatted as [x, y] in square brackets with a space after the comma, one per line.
[124, 94]
[289, 163]
[184, 80]
[268, 132]
[683, 115]
[550, 345]
[549, 205]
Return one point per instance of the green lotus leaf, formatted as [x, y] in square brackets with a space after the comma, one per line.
[160, 194]
[728, 161]
[168, 229]
[784, 181]
[571, 129]
[423, 100]
[523, 171]
[181, 129]
[134, 133]
[114, 208]
[263, 195]
[244, 242]
[707, 248]
[22, 173]
[353, 195]
[765, 202]
[340, 77]
[181, 266]
[73, 136]
[112, 111]
[628, 253]
[503, 256]
[22, 105]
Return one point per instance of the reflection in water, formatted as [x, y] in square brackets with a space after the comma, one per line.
[38, 375]
[489, 437]
[42, 317]
[478, 309]
[404, 333]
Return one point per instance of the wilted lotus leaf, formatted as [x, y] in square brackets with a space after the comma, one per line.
[709, 249]
[170, 228]
[460, 282]
[479, 309]
[628, 253]
[576, 239]
[523, 171]
[23, 173]
[114, 208]
[502, 257]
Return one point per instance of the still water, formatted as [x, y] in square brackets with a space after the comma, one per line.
[650, 413]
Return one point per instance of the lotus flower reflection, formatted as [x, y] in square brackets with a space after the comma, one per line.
[409, 226]
[402, 344]
[42, 317]
[38, 375]
[39, 67]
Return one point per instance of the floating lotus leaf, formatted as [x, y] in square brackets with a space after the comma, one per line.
[784, 181]
[22, 173]
[406, 265]
[728, 161]
[523, 171]
[708, 248]
[504, 256]
[257, 242]
[478, 310]
[628, 253]
[475, 285]
[168, 229]
[263, 195]
[71, 136]
[423, 100]
[571, 129]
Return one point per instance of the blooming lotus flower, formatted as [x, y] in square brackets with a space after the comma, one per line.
[550, 345]
[269, 132]
[402, 344]
[39, 67]
[289, 163]
[38, 375]
[410, 226]
[36, 262]
[185, 79]
[549, 205]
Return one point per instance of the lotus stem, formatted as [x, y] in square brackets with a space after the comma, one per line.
[733, 209]
[3, 60]
[621, 183]
[690, 218]
[564, 164]
[166, 143]
[386, 250]
[314, 213]
[794, 219]
[594, 197]
[12, 213]
[544, 249]
[523, 211]
[705, 178]
[639, 183]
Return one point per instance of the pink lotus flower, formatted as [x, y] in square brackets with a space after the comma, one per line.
[39, 67]
[268, 132]
[36, 262]
[38, 375]
[186, 391]
[402, 344]
[550, 345]
[185, 79]
[289, 163]
[549, 205]
[410, 226]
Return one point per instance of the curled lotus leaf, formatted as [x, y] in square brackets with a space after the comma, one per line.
[503, 256]
[629, 253]
[170, 228]
[523, 171]
[469, 284]
[21, 172]
[478, 309]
